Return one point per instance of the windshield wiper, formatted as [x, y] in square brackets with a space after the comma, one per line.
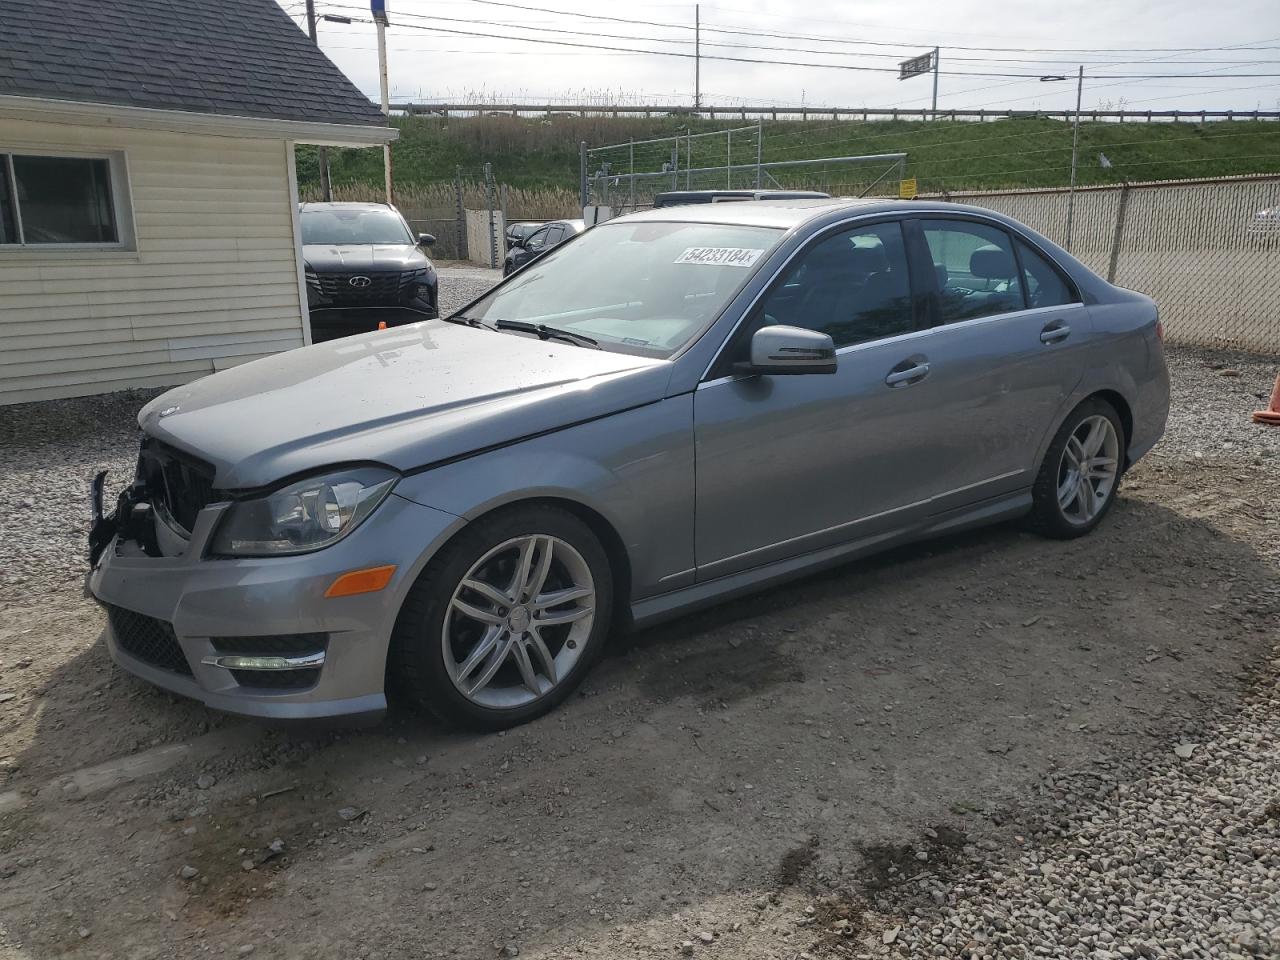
[469, 321]
[545, 332]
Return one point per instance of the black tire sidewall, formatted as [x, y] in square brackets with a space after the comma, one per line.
[1046, 513]
[417, 663]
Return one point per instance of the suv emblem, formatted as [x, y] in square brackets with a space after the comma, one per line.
[359, 281]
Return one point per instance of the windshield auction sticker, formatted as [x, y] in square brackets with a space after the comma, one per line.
[720, 256]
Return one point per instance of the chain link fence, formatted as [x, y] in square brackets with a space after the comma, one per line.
[1207, 251]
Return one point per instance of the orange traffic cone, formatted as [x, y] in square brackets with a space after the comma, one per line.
[382, 324]
[1270, 415]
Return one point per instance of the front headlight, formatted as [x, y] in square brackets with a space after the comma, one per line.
[303, 516]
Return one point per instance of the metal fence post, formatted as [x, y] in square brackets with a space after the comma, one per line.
[583, 194]
[632, 172]
[1121, 209]
[688, 157]
[489, 202]
[728, 159]
[759, 150]
[460, 212]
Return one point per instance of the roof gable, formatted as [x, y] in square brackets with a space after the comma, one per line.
[241, 58]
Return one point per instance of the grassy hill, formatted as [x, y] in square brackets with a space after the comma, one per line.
[540, 153]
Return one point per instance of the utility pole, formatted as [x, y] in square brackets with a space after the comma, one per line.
[936, 51]
[697, 57]
[1075, 148]
[326, 191]
[379, 8]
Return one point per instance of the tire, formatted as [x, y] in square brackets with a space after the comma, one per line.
[542, 649]
[1052, 513]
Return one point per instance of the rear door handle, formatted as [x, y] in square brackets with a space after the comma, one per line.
[1055, 332]
[901, 376]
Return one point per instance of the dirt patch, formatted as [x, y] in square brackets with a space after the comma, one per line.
[795, 861]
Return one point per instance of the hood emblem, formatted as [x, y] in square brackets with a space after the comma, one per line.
[359, 281]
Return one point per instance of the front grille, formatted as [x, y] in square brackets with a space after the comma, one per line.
[383, 289]
[148, 638]
[181, 484]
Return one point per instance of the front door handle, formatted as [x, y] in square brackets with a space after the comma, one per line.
[1055, 332]
[904, 376]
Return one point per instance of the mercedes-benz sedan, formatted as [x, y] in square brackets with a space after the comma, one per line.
[674, 408]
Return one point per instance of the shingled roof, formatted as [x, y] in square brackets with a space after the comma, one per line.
[242, 58]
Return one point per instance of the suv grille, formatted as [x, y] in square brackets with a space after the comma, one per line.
[383, 289]
[182, 485]
[148, 639]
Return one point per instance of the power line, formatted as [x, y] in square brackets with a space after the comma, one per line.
[793, 63]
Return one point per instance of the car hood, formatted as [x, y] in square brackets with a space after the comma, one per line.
[364, 256]
[405, 397]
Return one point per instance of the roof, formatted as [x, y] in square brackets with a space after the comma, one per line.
[243, 58]
[785, 214]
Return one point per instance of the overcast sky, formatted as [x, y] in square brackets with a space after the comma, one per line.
[427, 64]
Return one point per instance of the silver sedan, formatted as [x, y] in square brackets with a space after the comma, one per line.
[674, 408]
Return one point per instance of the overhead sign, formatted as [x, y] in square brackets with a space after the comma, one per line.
[907, 189]
[915, 66]
[379, 9]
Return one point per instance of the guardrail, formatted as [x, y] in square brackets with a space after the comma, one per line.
[814, 113]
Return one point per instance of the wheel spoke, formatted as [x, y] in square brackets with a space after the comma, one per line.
[481, 650]
[1097, 435]
[545, 659]
[1088, 499]
[523, 566]
[475, 613]
[489, 592]
[557, 597]
[1074, 452]
[1102, 468]
[538, 575]
[496, 659]
[1069, 491]
[520, 653]
[553, 618]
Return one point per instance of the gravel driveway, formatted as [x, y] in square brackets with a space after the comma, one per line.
[989, 746]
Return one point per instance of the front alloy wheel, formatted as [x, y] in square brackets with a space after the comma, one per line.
[506, 619]
[518, 621]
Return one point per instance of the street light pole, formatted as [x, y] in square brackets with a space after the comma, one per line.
[379, 8]
[697, 57]
[1075, 149]
[934, 114]
[326, 191]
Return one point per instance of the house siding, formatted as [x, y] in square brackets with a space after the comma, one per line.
[212, 281]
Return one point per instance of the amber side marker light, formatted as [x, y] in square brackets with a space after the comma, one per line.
[361, 581]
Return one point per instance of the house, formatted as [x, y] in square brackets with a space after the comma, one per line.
[148, 197]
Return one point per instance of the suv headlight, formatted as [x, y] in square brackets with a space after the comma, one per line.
[303, 516]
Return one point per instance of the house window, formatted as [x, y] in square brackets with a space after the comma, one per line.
[54, 200]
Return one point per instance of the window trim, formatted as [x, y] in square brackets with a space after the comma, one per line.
[121, 201]
[919, 307]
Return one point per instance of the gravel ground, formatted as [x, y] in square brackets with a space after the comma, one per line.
[1072, 753]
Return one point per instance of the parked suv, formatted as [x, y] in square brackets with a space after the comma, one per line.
[364, 265]
[543, 240]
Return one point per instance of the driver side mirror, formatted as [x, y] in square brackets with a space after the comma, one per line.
[781, 350]
[426, 239]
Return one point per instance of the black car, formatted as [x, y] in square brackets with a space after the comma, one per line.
[364, 265]
[679, 198]
[546, 237]
[517, 233]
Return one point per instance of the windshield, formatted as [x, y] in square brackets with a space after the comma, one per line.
[646, 288]
[354, 225]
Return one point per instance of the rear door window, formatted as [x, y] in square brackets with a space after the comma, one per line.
[1045, 285]
[975, 267]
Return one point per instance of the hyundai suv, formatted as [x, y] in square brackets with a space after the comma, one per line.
[364, 265]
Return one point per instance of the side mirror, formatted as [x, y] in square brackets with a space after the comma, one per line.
[426, 239]
[780, 350]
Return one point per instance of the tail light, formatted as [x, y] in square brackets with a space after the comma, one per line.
[1159, 329]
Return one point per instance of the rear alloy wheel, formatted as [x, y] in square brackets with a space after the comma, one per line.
[506, 621]
[1081, 471]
